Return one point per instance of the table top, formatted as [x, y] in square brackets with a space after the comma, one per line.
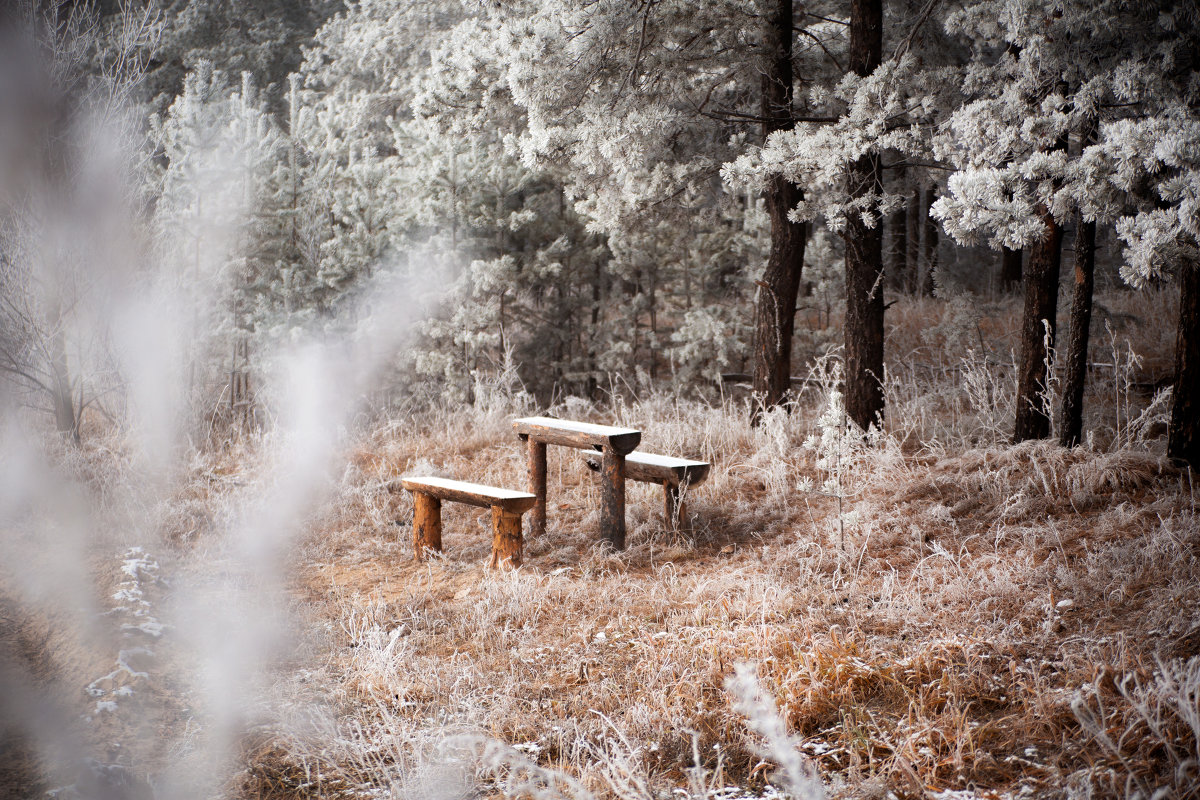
[570, 433]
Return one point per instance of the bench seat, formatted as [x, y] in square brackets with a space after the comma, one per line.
[474, 494]
[653, 468]
[507, 507]
[676, 475]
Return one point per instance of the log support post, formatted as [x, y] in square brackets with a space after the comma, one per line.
[537, 485]
[506, 539]
[674, 505]
[612, 511]
[427, 524]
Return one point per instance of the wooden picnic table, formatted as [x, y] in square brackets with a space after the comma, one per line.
[613, 445]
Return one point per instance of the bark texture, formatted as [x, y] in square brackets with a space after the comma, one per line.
[929, 243]
[775, 306]
[537, 485]
[506, 539]
[427, 524]
[1183, 431]
[1081, 322]
[612, 499]
[898, 263]
[1041, 308]
[864, 245]
[913, 237]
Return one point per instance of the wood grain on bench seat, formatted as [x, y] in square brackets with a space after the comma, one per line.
[653, 468]
[475, 494]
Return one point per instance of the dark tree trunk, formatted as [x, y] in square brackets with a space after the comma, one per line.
[1081, 322]
[1041, 307]
[1183, 432]
[929, 243]
[1010, 269]
[1071, 429]
[775, 307]
[864, 245]
[914, 239]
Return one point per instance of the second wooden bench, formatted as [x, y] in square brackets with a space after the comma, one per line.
[507, 507]
[676, 475]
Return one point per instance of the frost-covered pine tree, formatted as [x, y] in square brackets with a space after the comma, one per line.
[533, 274]
[417, 126]
[642, 103]
[218, 217]
[1039, 77]
[865, 108]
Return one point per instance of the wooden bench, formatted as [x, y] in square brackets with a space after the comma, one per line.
[676, 475]
[507, 507]
[612, 443]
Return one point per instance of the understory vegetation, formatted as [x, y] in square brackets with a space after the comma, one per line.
[933, 611]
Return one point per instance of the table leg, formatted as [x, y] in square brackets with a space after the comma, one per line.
[427, 524]
[612, 511]
[506, 539]
[537, 486]
[674, 505]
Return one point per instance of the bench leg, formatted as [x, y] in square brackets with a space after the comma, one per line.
[674, 505]
[427, 524]
[537, 486]
[506, 539]
[612, 509]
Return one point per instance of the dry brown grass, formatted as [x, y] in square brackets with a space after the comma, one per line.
[983, 604]
[981, 617]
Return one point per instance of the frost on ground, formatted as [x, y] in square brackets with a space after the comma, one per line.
[930, 613]
[138, 626]
[951, 619]
[118, 712]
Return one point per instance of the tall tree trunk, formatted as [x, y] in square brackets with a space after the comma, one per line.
[1010, 269]
[1081, 322]
[929, 242]
[66, 422]
[1071, 429]
[1183, 431]
[1041, 308]
[864, 245]
[775, 307]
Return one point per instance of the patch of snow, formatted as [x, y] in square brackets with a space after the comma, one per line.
[138, 568]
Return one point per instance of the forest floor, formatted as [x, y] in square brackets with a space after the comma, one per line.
[937, 613]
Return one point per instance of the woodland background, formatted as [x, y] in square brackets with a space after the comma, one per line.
[592, 191]
[260, 259]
